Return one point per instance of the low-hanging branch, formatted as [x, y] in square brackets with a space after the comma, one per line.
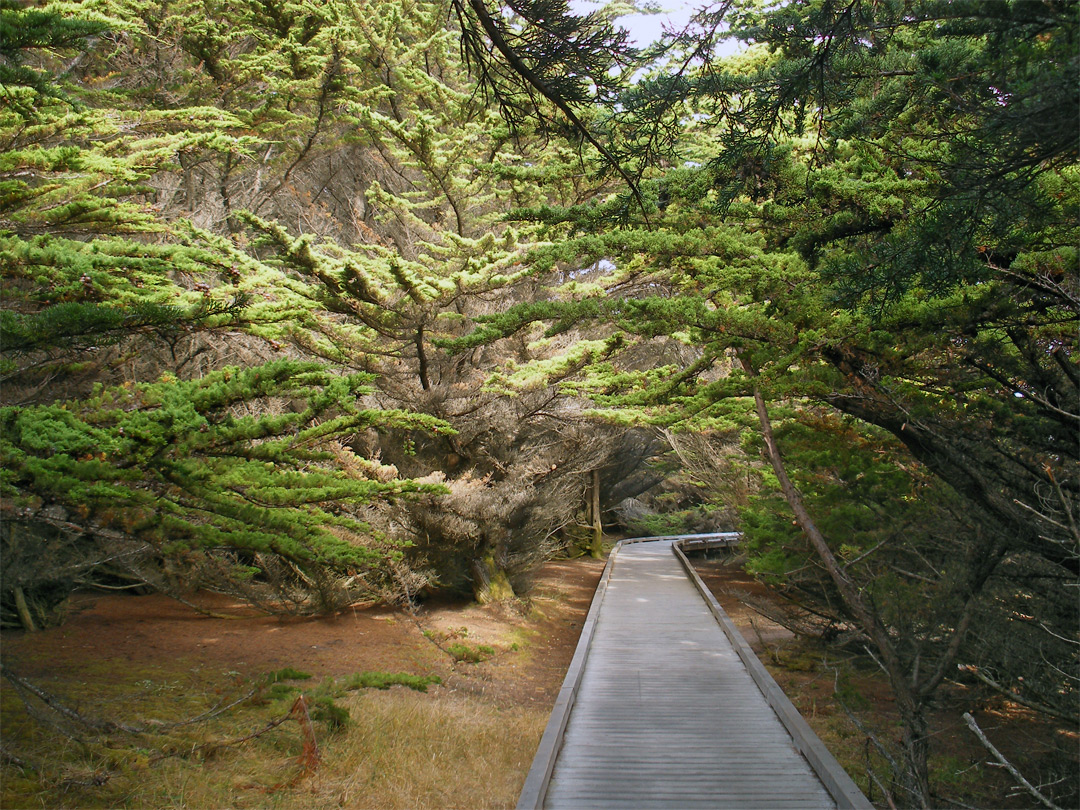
[519, 66]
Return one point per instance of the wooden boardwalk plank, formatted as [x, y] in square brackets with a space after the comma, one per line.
[666, 713]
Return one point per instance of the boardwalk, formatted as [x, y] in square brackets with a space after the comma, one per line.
[664, 712]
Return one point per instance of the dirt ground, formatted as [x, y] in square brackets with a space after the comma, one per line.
[531, 644]
[135, 659]
[122, 631]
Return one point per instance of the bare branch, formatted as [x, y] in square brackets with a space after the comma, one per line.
[1019, 777]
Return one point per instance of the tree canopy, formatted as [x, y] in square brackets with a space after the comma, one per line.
[337, 301]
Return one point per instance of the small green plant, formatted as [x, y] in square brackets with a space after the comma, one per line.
[956, 773]
[323, 708]
[848, 695]
[286, 674]
[384, 680]
[798, 662]
[281, 691]
[470, 654]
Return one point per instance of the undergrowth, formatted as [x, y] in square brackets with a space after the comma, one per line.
[384, 680]
[65, 745]
[470, 654]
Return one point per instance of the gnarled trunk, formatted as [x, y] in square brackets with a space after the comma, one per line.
[490, 580]
[596, 546]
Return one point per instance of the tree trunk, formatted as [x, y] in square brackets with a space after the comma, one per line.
[908, 702]
[490, 580]
[421, 358]
[596, 548]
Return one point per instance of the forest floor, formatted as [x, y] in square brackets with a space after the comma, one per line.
[467, 742]
[149, 661]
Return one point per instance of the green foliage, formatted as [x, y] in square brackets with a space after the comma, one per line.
[222, 471]
[869, 218]
[469, 653]
[80, 325]
[282, 691]
[384, 680]
[214, 184]
[286, 674]
[848, 220]
[324, 709]
[865, 496]
[151, 462]
[24, 30]
[663, 524]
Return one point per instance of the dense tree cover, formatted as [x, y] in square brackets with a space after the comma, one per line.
[864, 225]
[294, 293]
[127, 439]
[313, 192]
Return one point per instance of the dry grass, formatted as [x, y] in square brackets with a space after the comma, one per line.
[144, 661]
[446, 751]
[401, 749]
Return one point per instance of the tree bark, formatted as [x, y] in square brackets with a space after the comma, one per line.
[596, 549]
[24, 611]
[421, 358]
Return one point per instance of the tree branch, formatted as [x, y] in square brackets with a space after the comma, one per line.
[1019, 777]
[529, 75]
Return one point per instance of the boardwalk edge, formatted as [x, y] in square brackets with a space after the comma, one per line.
[835, 779]
[536, 783]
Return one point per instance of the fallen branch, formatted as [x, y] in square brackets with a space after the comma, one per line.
[199, 609]
[1015, 698]
[870, 772]
[227, 743]
[109, 726]
[10, 758]
[96, 779]
[1019, 777]
[207, 715]
[60, 708]
[298, 711]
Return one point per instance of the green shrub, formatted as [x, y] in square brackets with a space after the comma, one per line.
[286, 674]
[324, 709]
[470, 654]
[384, 680]
[281, 691]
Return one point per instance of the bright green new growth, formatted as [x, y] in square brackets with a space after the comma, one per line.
[171, 464]
[286, 674]
[384, 680]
